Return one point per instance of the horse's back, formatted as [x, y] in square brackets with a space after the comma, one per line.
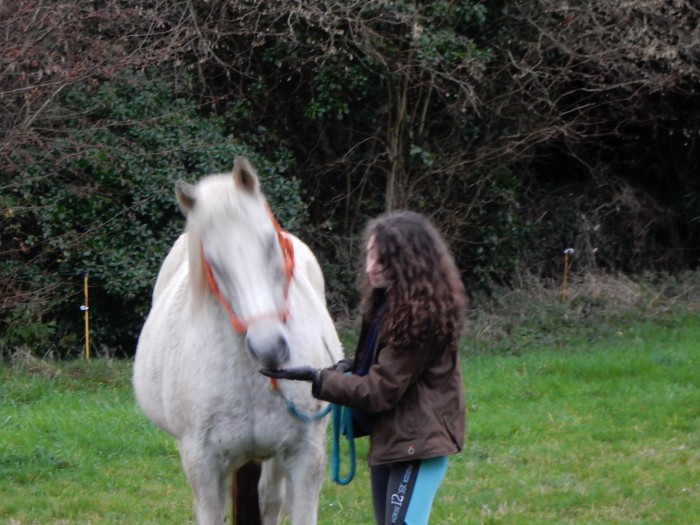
[309, 277]
[157, 347]
[305, 262]
[174, 261]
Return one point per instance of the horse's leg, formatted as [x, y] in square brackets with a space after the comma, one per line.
[271, 491]
[244, 495]
[305, 477]
[208, 482]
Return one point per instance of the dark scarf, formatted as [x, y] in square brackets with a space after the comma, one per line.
[362, 421]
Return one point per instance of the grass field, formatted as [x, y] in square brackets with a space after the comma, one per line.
[599, 430]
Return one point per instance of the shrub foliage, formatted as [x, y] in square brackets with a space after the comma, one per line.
[102, 201]
[522, 128]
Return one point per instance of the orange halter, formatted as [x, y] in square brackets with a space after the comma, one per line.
[241, 325]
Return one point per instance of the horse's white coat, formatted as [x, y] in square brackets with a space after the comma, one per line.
[197, 379]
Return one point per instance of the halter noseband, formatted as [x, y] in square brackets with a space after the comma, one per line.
[241, 325]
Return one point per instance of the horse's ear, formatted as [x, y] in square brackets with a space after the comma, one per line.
[244, 175]
[185, 196]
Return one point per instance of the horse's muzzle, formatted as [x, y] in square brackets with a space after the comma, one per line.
[269, 345]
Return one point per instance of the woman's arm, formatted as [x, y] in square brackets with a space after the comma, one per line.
[383, 386]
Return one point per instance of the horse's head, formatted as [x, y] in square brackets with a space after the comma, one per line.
[236, 255]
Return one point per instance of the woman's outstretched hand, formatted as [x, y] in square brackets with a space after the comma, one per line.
[298, 373]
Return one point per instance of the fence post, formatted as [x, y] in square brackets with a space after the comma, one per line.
[86, 309]
[567, 252]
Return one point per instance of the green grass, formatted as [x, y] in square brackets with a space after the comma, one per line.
[603, 434]
[606, 432]
[75, 449]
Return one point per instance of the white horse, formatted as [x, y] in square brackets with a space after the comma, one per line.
[227, 302]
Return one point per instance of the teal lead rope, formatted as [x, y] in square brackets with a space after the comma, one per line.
[342, 426]
[292, 409]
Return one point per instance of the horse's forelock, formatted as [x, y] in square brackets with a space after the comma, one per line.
[215, 194]
[217, 197]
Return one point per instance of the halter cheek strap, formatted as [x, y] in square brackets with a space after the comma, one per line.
[236, 323]
[241, 325]
[287, 247]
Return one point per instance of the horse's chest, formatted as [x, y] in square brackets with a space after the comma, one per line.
[250, 421]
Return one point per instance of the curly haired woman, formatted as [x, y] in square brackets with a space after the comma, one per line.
[406, 387]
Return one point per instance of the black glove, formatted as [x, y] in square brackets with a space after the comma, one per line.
[342, 366]
[298, 373]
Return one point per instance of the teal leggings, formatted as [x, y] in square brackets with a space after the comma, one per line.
[403, 493]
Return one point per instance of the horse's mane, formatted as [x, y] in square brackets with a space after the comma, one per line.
[198, 277]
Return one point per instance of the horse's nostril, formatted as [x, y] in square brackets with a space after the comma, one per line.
[283, 349]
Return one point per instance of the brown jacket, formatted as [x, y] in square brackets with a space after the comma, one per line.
[415, 396]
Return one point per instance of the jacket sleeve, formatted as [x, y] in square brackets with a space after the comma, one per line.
[383, 386]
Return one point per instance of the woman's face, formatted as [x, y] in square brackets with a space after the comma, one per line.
[373, 268]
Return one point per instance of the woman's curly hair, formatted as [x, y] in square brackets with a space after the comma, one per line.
[426, 297]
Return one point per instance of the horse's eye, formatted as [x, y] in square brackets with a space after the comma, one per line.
[270, 247]
[215, 268]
